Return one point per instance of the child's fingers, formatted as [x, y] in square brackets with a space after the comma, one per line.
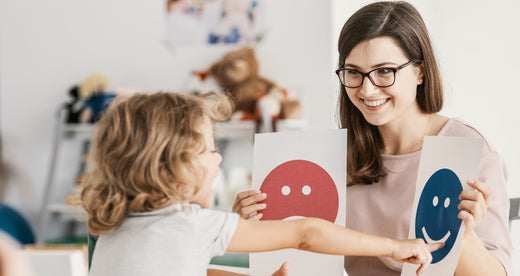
[251, 200]
[422, 268]
[247, 211]
[243, 195]
[434, 246]
[256, 217]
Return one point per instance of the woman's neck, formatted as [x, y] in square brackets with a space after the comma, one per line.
[405, 136]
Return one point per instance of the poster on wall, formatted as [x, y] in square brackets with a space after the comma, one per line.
[303, 174]
[446, 164]
[213, 22]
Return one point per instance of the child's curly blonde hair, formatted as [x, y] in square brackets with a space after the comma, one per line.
[145, 155]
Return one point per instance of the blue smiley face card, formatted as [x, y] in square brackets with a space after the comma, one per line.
[446, 164]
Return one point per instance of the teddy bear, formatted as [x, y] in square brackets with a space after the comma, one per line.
[256, 98]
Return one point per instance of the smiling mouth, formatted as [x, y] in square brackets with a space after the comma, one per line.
[374, 103]
[430, 240]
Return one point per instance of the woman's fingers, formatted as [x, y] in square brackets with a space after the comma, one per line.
[468, 219]
[474, 203]
[482, 187]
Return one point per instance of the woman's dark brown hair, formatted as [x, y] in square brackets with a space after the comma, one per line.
[403, 23]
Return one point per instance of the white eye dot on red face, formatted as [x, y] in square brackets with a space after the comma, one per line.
[447, 202]
[435, 201]
[286, 190]
[306, 190]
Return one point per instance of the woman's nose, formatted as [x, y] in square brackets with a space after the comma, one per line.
[368, 89]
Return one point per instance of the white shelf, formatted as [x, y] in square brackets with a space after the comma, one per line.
[235, 130]
[66, 211]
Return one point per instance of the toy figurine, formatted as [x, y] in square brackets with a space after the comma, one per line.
[94, 90]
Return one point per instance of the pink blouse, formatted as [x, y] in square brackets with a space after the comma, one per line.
[384, 208]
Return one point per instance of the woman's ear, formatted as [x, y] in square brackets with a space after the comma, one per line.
[420, 76]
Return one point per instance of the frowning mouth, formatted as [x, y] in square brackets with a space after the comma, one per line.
[430, 240]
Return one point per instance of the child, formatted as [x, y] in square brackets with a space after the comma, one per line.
[149, 191]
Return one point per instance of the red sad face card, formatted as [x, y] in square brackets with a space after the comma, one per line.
[303, 174]
[300, 188]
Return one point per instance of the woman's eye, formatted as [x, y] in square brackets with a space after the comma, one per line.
[351, 72]
[383, 71]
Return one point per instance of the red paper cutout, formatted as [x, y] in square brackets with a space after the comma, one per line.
[299, 188]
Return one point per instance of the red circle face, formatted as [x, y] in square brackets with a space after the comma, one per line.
[299, 188]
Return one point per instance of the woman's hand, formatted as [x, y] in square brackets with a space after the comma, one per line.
[246, 204]
[283, 271]
[474, 203]
[414, 251]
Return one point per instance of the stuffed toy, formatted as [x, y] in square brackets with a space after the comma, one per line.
[73, 108]
[256, 98]
[94, 91]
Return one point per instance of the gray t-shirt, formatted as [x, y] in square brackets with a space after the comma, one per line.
[176, 240]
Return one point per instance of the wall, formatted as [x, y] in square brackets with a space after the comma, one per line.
[47, 46]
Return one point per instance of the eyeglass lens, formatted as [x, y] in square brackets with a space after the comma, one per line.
[378, 77]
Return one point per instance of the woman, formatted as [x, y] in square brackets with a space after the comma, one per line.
[391, 91]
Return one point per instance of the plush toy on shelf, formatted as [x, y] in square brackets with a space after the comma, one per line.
[74, 107]
[94, 91]
[256, 98]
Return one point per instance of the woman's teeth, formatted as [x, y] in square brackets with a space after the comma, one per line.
[375, 103]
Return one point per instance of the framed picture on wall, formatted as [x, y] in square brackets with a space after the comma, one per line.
[213, 22]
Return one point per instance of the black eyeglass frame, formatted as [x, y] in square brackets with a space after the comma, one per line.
[363, 75]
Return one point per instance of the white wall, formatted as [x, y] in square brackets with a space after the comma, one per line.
[47, 46]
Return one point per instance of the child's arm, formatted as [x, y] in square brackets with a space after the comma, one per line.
[317, 235]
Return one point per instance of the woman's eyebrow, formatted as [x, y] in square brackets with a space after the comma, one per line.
[386, 63]
[351, 65]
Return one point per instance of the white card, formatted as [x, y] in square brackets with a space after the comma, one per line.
[304, 174]
[446, 164]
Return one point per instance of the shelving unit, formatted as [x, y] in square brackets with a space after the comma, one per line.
[53, 211]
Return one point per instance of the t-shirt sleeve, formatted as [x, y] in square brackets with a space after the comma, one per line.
[493, 229]
[220, 226]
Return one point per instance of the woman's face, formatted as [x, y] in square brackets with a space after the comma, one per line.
[210, 159]
[379, 105]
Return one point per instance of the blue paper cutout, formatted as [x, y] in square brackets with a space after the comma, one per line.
[436, 219]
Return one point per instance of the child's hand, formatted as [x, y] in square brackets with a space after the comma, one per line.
[246, 204]
[415, 252]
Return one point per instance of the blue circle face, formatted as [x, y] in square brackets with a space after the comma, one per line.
[436, 219]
